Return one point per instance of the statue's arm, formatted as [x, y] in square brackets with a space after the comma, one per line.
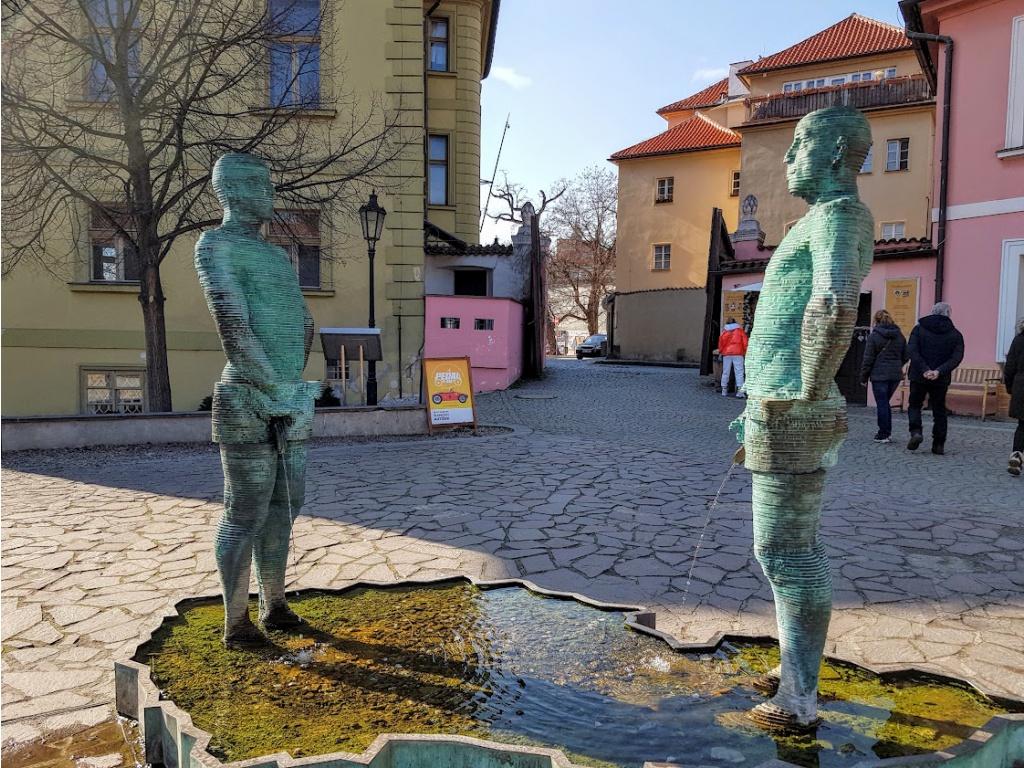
[231, 312]
[838, 256]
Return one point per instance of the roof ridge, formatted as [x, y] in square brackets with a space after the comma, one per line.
[677, 105]
[715, 123]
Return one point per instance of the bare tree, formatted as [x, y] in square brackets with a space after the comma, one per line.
[581, 270]
[515, 196]
[115, 111]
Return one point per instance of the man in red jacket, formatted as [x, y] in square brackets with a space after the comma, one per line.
[732, 346]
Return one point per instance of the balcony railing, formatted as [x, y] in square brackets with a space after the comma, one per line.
[885, 93]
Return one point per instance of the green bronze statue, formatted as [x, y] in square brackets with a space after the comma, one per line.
[262, 409]
[795, 417]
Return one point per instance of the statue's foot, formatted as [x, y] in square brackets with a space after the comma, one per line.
[243, 636]
[768, 683]
[772, 717]
[281, 617]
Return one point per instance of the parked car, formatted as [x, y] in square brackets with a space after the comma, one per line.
[591, 347]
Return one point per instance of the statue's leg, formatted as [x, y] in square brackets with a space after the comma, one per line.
[273, 543]
[787, 510]
[249, 472]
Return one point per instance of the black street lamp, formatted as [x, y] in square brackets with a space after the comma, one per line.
[371, 216]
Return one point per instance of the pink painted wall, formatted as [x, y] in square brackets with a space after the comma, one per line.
[981, 67]
[496, 356]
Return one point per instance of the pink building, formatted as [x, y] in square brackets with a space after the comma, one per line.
[489, 331]
[980, 269]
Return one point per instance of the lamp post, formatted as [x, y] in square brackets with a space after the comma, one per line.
[371, 216]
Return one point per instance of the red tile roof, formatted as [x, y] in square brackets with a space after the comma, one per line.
[699, 132]
[855, 35]
[710, 96]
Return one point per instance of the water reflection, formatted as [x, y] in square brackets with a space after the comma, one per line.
[514, 667]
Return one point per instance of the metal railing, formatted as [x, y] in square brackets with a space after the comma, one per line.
[884, 93]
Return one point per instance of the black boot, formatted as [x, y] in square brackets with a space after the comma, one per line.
[938, 448]
[916, 438]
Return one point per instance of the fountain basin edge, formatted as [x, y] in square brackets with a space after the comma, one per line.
[172, 740]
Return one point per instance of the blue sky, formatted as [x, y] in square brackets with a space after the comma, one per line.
[581, 79]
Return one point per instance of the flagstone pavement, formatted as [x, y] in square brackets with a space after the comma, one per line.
[606, 487]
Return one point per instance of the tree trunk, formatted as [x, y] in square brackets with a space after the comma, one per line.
[158, 379]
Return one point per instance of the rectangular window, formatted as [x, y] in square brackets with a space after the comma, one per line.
[665, 189]
[893, 230]
[333, 370]
[437, 170]
[866, 167]
[890, 72]
[295, 53]
[662, 256]
[1015, 91]
[734, 191]
[483, 325]
[471, 282]
[837, 80]
[298, 232]
[109, 19]
[113, 391]
[450, 322]
[438, 44]
[114, 258]
[897, 157]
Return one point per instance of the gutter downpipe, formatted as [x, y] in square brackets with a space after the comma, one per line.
[947, 87]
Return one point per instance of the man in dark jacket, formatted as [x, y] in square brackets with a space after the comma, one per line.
[936, 349]
[1013, 377]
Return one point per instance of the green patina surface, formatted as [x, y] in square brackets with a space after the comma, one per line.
[509, 666]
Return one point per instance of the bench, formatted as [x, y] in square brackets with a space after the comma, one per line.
[971, 380]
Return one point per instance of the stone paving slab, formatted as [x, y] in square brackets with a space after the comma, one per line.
[607, 489]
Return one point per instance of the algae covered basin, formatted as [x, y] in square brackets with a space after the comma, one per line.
[514, 667]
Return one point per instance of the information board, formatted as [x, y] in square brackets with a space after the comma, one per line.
[449, 385]
[901, 302]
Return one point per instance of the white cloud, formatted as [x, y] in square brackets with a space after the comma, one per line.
[510, 77]
[709, 75]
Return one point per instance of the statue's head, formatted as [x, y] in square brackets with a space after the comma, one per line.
[828, 150]
[242, 185]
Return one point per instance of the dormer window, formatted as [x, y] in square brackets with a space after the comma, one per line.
[663, 193]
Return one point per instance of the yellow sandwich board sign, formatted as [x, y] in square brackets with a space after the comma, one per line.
[449, 384]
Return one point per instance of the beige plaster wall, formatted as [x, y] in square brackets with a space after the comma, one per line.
[664, 326]
[702, 181]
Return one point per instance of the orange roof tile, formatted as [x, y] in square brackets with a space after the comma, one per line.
[855, 35]
[710, 96]
[699, 132]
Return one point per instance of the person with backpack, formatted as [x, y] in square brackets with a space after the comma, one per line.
[885, 353]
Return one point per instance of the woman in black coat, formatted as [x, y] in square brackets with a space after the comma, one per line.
[884, 356]
[1013, 377]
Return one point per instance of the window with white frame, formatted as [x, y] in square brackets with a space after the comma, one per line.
[664, 191]
[833, 80]
[438, 45]
[897, 155]
[437, 170]
[108, 20]
[734, 190]
[866, 166]
[298, 232]
[662, 257]
[113, 256]
[111, 391]
[295, 53]
[1015, 92]
[893, 230]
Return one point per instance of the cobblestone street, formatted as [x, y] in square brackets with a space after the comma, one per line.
[605, 488]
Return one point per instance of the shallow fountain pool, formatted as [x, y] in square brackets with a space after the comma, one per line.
[511, 666]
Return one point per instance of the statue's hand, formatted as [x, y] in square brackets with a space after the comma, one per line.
[773, 409]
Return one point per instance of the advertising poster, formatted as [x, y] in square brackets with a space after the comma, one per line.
[449, 386]
[901, 302]
[732, 305]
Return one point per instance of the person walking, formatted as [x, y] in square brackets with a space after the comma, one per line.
[884, 356]
[1013, 378]
[936, 349]
[732, 346]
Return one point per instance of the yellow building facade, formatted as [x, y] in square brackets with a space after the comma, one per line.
[858, 61]
[72, 340]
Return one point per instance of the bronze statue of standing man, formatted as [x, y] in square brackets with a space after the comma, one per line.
[262, 409]
[795, 418]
